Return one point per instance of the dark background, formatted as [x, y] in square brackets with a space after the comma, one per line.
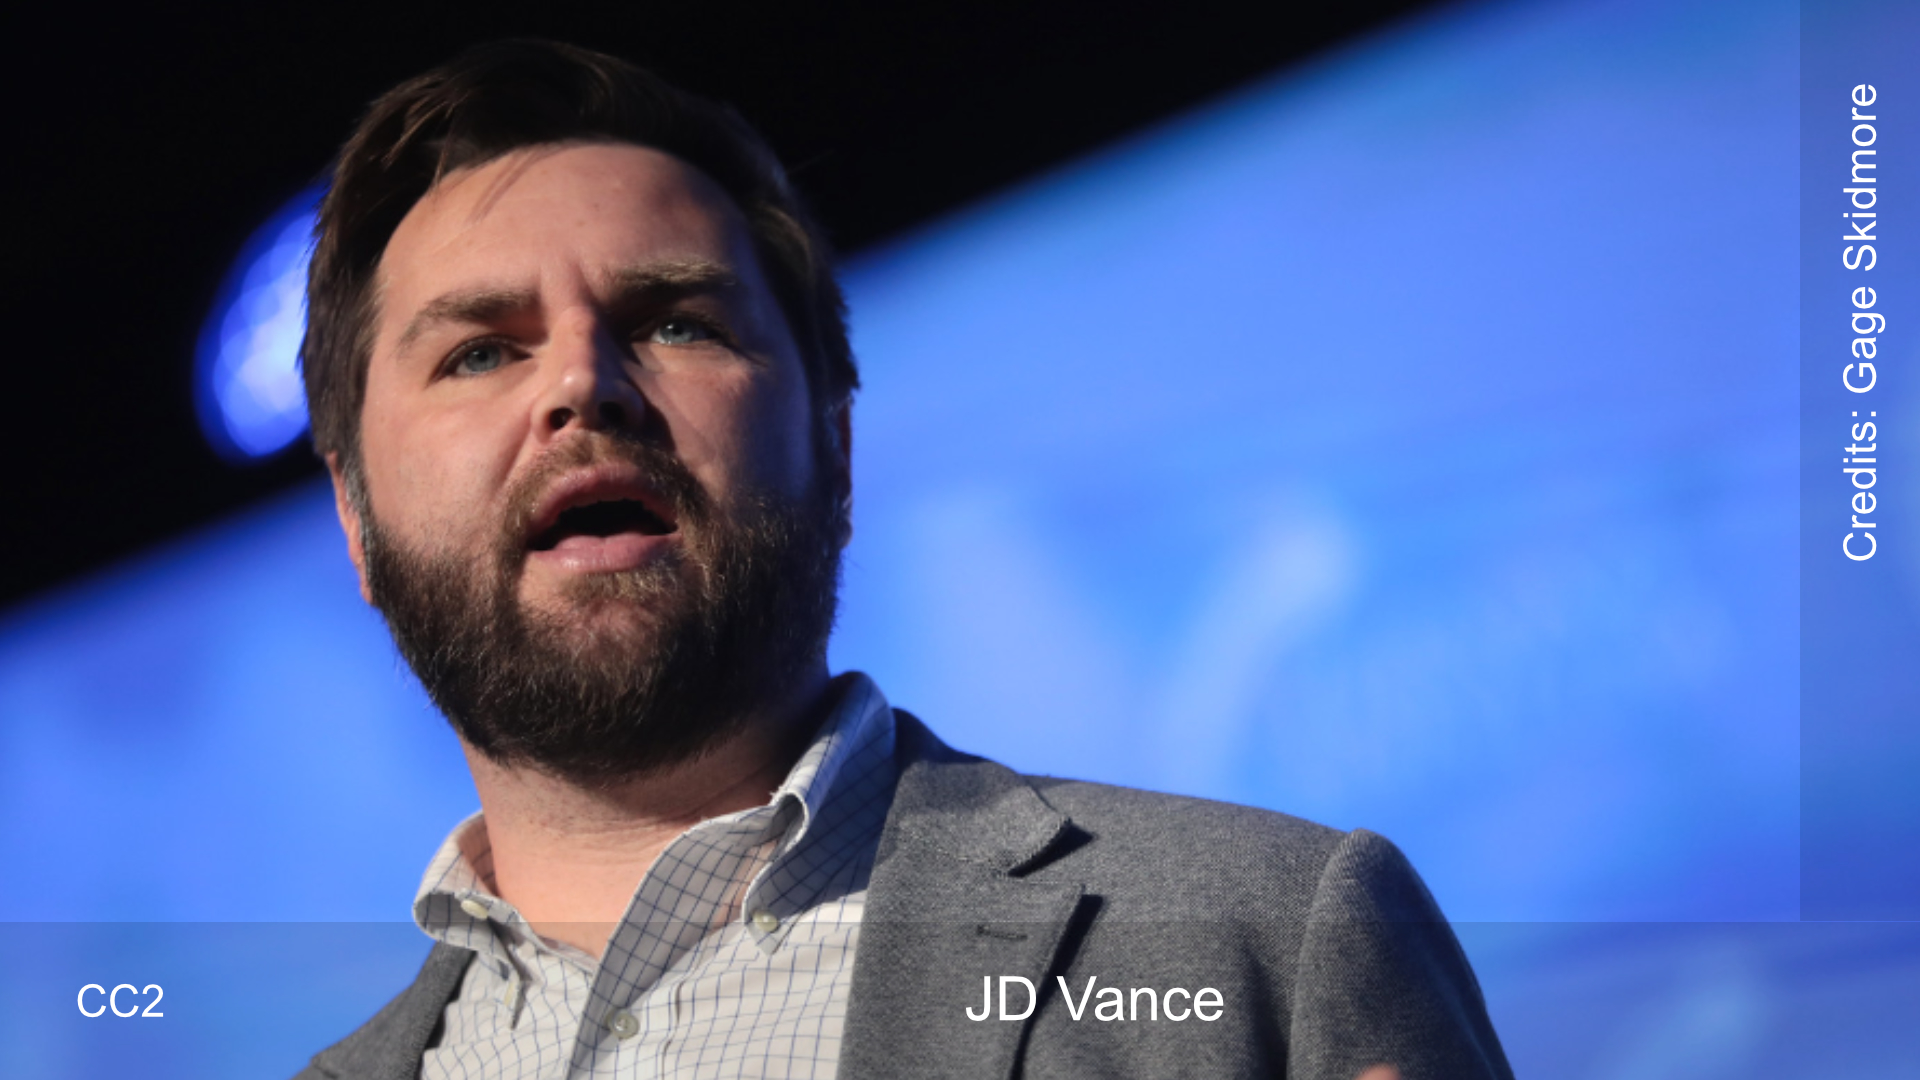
[144, 148]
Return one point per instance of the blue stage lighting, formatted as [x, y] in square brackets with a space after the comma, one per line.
[247, 373]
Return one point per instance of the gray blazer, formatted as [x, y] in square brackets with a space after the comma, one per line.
[1326, 952]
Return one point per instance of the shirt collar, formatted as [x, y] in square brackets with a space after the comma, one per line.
[859, 729]
[456, 899]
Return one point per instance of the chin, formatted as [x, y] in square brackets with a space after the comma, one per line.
[604, 608]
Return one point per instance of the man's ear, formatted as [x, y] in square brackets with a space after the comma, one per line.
[349, 523]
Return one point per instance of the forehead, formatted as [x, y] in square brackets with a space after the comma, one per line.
[564, 211]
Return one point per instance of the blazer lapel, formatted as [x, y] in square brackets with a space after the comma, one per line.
[949, 916]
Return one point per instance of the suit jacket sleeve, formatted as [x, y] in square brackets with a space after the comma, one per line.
[1381, 979]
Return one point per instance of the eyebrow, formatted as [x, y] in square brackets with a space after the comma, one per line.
[465, 306]
[634, 292]
[626, 288]
[676, 277]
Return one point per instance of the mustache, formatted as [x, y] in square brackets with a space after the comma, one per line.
[659, 469]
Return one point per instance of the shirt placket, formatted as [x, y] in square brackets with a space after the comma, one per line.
[632, 1011]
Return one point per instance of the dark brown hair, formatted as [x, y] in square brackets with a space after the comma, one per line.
[505, 96]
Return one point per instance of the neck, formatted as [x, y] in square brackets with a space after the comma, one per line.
[569, 857]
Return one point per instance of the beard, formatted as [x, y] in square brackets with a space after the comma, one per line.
[630, 672]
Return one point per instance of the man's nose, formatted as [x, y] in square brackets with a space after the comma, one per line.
[592, 384]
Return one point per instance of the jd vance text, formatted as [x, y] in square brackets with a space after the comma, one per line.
[1104, 1003]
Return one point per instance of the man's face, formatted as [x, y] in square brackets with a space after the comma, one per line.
[597, 513]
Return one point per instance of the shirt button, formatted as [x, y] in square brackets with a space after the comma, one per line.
[766, 920]
[623, 1025]
[476, 908]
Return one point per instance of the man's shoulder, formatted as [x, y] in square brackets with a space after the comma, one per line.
[1203, 854]
[1121, 840]
[1155, 817]
[1326, 949]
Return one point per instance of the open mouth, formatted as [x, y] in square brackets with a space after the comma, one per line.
[600, 521]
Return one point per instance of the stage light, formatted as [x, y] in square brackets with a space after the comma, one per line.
[247, 374]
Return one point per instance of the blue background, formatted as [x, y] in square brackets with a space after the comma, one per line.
[1408, 442]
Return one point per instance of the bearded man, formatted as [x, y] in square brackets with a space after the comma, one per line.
[579, 367]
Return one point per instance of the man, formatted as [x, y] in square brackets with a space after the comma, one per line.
[579, 367]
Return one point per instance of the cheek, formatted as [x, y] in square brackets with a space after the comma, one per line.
[746, 432]
[432, 478]
[779, 428]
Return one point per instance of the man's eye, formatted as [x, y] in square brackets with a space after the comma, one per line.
[478, 358]
[682, 331]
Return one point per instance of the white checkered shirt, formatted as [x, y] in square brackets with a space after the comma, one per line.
[733, 959]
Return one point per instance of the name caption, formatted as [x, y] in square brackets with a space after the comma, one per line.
[1109, 1004]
